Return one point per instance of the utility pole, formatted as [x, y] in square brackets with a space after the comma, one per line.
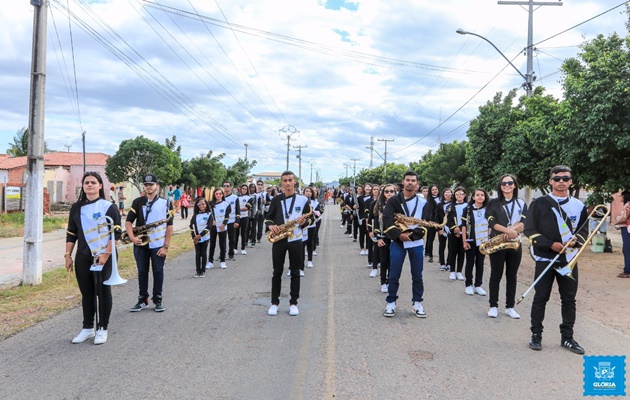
[354, 171]
[346, 165]
[371, 150]
[83, 139]
[246, 151]
[299, 157]
[289, 131]
[529, 75]
[385, 158]
[34, 206]
[67, 146]
[311, 162]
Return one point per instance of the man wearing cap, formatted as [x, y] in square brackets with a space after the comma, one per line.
[146, 210]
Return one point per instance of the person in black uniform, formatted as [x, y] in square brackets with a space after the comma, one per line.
[87, 226]
[285, 207]
[554, 221]
[147, 210]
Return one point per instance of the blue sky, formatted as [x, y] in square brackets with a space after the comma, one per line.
[221, 74]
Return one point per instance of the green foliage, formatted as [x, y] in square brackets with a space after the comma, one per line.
[446, 167]
[205, 171]
[239, 171]
[394, 174]
[19, 147]
[345, 181]
[140, 156]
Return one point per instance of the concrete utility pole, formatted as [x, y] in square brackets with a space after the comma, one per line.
[34, 206]
[385, 158]
[311, 162]
[246, 151]
[299, 157]
[371, 151]
[354, 171]
[346, 165]
[529, 76]
[289, 131]
[83, 139]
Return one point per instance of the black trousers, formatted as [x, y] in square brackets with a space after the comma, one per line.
[384, 257]
[231, 235]
[428, 241]
[455, 252]
[213, 244]
[91, 285]
[279, 252]
[201, 256]
[241, 232]
[350, 220]
[475, 259]
[260, 220]
[509, 260]
[251, 230]
[318, 224]
[362, 234]
[309, 244]
[441, 249]
[369, 245]
[567, 288]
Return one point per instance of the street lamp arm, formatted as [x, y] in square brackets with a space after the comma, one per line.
[463, 32]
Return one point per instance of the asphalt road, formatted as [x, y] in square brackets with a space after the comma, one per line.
[216, 341]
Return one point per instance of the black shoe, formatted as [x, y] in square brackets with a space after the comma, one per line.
[572, 345]
[535, 343]
[140, 305]
[159, 307]
[430, 259]
[231, 258]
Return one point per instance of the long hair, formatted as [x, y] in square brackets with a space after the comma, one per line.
[101, 192]
[196, 207]
[214, 196]
[312, 195]
[380, 203]
[485, 194]
[458, 189]
[442, 199]
[500, 192]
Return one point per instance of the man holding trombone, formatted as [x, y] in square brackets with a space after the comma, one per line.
[556, 224]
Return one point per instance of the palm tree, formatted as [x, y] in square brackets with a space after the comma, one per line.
[19, 147]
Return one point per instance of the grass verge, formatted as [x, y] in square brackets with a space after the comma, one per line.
[24, 306]
[12, 224]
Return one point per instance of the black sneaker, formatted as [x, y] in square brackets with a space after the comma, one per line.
[231, 258]
[158, 307]
[202, 275]
[535, 343]
[140, 305]
[430, 259]
[572, 345]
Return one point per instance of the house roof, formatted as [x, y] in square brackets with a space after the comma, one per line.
[58, 158]
[273, 174]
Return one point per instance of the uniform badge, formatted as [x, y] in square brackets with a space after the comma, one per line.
[96, 216]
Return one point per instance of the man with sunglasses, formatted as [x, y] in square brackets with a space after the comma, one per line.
[233, 222]
[553, 222]
[144, 211]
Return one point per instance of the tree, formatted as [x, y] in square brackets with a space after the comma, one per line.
[205, 170]
[596, 137]
[378, 175]
[239, 171]
[447, 167]
[137, 157]
[19, 147]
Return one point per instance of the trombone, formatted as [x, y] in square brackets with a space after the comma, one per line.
[601, 211]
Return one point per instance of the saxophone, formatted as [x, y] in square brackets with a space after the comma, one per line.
[286, 229]
[500, 242]
[402, 222]
[142, 231]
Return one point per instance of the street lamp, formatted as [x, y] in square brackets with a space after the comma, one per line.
[528, 78]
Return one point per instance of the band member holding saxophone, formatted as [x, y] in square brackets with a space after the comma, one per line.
[406, 240]
[552, 222]
[285, 209]
[147, 210]
[506, 216]
[94, 247]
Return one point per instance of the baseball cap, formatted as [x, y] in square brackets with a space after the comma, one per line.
[150, 178]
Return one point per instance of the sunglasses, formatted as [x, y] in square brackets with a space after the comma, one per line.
[561, 178]
[259, 184]
[226, 185]
[508, 183]
[389, 191]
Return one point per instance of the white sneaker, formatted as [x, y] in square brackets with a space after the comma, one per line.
[84, 335]
[314, 253]
[101, 336]
[293, 310]
[384, 288]
[443, 268]
[289, 273]
[469, 290]
[223, 266]
[370, 265]
[418, 309]
[374, 273]
[309, 264]
[460, 277]
[510, 312]
[479, 290]
[390, 310]
[350, 235]
[273, 310]
[301, 273]
[209, 265]
[493, 312]
[452, 276]
[243, 252]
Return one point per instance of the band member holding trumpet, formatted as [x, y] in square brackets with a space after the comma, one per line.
[406, 240]
[506, 216]
[148, 210]
[287, 213]
[556, 225]
[94, 247]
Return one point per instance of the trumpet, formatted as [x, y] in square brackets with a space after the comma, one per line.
[601, 211]
[286, 229]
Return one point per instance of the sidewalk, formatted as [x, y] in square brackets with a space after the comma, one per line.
[53, 249]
